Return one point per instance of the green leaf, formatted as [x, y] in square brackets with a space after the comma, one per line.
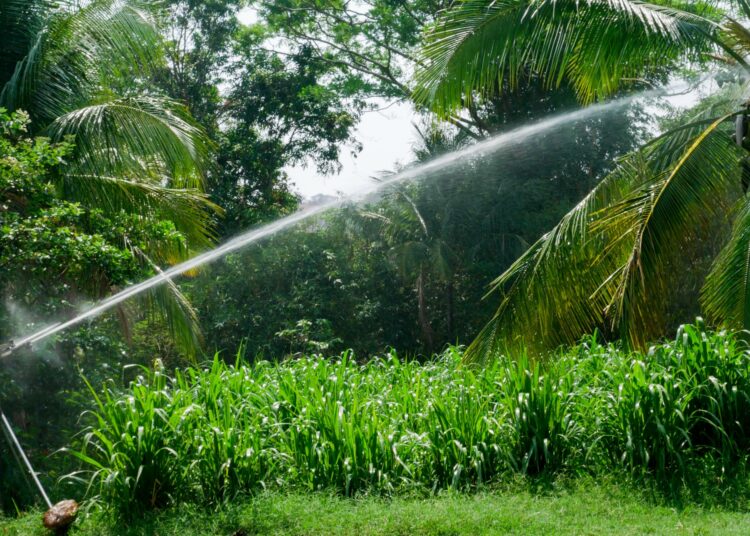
[725, 297]
[597, 46]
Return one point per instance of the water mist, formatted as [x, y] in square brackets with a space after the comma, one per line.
[252, 236]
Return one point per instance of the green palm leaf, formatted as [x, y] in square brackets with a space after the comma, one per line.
[74, 51]
[142, 136]
[188, 209]
[726, 294]
[18, 37]
[548, 296]
[607, 264]
[596, 45]
[182, 320]
[138, 154]
[175, 309]
[656, 219]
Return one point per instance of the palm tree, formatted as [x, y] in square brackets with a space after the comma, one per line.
[594, 46]
[622, 244]
[418, 251]
[75, 68]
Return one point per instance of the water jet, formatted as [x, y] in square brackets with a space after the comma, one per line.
[514, 136]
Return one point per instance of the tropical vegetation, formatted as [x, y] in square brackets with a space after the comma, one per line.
[205, 435]
[347, 363]
[628, 240]
[131, 156]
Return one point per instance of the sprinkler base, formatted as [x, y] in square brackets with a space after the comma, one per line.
[60, 516]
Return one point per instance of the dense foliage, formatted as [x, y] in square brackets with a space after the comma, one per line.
[53, 254]
[134, 134]
[410, 270]
[133, 170]
[628, 241]
[678, 413]
[264, 110]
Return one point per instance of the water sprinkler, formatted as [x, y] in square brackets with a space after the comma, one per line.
[18, 450]
[7, 349]
[60, 516]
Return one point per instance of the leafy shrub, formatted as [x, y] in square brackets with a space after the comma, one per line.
[130, 447]
[540, 405]
[209, 434]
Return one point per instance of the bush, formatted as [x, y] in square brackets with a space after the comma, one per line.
[209, 434]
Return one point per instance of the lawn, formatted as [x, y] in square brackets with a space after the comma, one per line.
[586, 509]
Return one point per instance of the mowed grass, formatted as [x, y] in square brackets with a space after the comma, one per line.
[588, 509]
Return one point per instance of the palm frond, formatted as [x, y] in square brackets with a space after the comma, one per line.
[182, 320]
[74, 51]
[139, 154]
[548, 295]
[604, 266]
[169, 303]
[656, 219]
[20, 21]
[477, 45]
[141, 136]
[736, 38]
[725, 296]
[190, 210]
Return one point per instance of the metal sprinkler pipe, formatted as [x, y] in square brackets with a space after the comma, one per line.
[17, 446]
[7, 349]
[60, 516]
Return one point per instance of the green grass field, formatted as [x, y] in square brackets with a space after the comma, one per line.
[594, 441]
[677, 418]
[583, 510]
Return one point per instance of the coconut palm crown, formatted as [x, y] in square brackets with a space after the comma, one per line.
[611, 263]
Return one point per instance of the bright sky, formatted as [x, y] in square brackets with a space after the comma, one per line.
[386, 136]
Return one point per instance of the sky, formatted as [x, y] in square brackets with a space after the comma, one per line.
[387, 136]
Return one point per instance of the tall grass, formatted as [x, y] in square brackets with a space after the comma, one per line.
[207, 434]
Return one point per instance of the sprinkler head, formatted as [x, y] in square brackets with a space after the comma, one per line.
[61, 516]
[7, 349]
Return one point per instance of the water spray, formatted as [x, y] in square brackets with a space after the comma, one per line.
[59, 516]
[514, 136]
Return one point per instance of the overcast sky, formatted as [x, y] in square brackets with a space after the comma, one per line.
[386, 136]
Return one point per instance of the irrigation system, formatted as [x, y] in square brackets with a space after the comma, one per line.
[488, 146]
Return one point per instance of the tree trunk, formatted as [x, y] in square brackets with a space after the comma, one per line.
[424, 323]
